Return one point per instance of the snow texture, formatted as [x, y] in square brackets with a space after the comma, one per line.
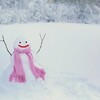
[28, 11]
[62, 86]
[70, 58]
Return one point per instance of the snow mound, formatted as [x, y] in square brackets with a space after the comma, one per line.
[55, 87]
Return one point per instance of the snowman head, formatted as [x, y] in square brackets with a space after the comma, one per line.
[21, 43]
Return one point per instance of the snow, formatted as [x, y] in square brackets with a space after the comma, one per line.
[70, 55]
[26, 11]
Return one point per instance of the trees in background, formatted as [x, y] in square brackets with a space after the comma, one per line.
[81, 11]
[14, 3]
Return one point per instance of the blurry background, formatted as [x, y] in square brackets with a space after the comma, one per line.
[25, 11]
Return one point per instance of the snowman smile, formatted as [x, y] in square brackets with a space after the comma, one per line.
[23, 46]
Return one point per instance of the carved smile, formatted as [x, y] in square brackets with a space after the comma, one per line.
[23, 46]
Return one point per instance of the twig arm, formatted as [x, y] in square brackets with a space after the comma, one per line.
[42, 39]
[6, 45]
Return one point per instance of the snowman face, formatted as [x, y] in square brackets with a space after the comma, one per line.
[21, 43]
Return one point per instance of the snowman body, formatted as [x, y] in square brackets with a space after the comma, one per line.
[26, 66]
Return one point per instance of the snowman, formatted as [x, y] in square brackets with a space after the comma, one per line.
[23, 66]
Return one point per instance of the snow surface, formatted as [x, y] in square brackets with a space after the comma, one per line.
[70, 55]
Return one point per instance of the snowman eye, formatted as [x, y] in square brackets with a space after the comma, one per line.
[20, 42]
[25, 41]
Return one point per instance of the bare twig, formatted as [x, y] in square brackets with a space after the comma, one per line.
[42, 39]
[5, 45]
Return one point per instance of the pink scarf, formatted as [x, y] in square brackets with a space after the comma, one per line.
[18, 73]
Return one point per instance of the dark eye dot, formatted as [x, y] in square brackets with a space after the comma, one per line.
[20, 42]
[25, 41]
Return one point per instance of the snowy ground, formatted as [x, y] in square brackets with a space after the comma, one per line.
[56, 87]
[70, 56]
